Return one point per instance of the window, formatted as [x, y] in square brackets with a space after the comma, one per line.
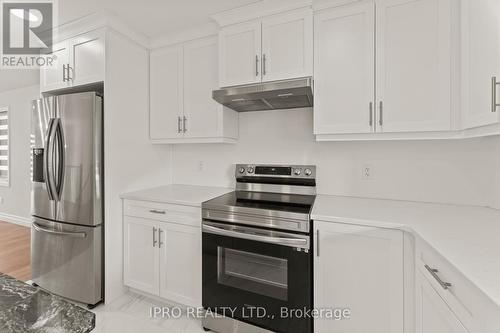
[4, 146]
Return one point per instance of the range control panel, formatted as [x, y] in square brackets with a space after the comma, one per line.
[281, 171]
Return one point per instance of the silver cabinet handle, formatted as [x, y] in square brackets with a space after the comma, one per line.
[494, 86]
[264, 71]
[39, 228]
[157, 211]
[381, 114]
[184, 122]
[179, 120]
[64, 73]
[154, 237]
[68, 69]
[370, 108]
[256, 65]
[317, 243]
[444, 285]
[160, 243]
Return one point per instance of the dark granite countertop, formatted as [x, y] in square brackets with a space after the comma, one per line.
[28, 309]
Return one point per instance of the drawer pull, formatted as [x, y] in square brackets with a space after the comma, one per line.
[157, 211]
[433, 271]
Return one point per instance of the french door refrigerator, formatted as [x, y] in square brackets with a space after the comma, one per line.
[67, 196]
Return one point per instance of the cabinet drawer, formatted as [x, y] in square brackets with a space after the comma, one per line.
[460, 294]
[186, 215]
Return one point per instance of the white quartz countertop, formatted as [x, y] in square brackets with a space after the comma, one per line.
[187, 195]
[467, 236]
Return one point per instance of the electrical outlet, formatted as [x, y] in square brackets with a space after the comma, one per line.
[201, 166]
[367, 172]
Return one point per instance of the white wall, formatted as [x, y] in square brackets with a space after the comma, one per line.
[16, 197]
[440, 171]
[495, 181]
[131, 162]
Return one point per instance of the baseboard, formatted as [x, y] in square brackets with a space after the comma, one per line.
[14, 219]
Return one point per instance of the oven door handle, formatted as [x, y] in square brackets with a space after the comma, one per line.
[266, 239]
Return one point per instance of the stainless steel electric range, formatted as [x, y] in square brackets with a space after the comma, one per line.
[257, 257]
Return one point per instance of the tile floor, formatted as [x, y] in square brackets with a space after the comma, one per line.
[131, 314]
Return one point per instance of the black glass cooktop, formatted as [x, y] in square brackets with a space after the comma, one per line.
[292, 203]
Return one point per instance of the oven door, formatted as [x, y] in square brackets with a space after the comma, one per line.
[257, 273]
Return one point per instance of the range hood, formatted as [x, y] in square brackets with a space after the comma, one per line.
[287, 94]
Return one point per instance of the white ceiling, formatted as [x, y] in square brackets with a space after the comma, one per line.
[153, 18]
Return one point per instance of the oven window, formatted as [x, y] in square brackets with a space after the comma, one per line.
[252, 272]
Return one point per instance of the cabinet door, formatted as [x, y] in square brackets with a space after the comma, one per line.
[141, 254]
[344, 70]
[432, 313]
[180, 263]
[166, 93]
[54, 77]
[481, 61]
[203, 114]
[413, 65]
[87, 58]
[287, 46]
[361, 269]
[240, 54]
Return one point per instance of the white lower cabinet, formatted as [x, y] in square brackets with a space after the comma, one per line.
[432, 313]
[180, 263]
[141, 269]
[163, 258]
[360, 269]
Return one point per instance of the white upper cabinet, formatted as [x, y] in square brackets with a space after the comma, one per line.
[274, 48]
[413, 65]
[481, 62]
[87, 57]
[166, 93]
[240, 54]
[200, 78]
[344, 86]
[432, 313]
[78, 61]
[54, 77]
[287, 46]
[383, 66]
[182, 78]
[361, 269]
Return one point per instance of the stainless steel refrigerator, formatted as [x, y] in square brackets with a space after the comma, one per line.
[67, 196]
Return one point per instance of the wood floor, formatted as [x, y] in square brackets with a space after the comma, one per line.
[15, 251]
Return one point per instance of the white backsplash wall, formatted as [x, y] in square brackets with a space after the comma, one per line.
[449, 171]
[495, 184]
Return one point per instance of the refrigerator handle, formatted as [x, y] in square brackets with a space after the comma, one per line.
[60, 144]
[39, 228]
[48, 158]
